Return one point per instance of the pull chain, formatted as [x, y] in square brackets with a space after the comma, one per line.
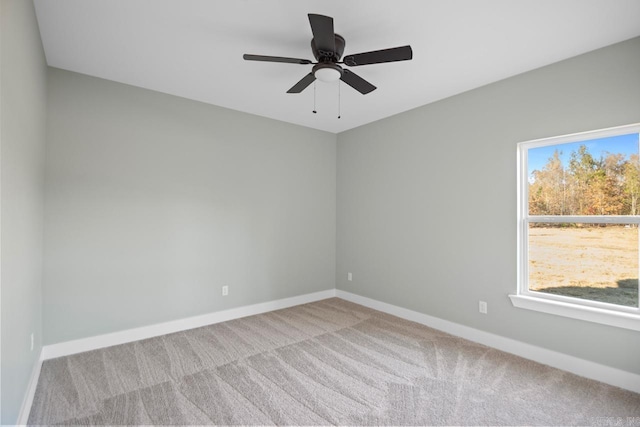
[314, 98]
[338, 98]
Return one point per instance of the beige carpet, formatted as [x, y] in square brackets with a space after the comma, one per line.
[329, 362]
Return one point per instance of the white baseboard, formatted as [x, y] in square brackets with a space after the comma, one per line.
[100, 341]
[25, 409]
[575, 365]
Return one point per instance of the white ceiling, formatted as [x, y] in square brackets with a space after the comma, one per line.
[194, 48]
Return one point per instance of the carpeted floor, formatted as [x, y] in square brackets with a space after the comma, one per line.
[328, 362]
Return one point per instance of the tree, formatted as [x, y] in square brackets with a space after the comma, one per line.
[582, 168]
[608, 186]
[548, 192]
[632, 183]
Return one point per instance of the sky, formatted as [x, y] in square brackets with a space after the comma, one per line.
[620, 144]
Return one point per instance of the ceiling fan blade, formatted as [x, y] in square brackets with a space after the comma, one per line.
[402, 53]
[302, 84]
[357, 82]
[249, 57]
[322, 29]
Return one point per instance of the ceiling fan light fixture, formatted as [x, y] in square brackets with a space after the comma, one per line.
[327, 72]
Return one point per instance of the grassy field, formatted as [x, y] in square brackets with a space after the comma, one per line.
[599, 263]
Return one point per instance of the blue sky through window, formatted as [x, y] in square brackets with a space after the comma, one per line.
[619, 144]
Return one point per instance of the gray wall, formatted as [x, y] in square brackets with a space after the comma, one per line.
[427, 199]
[22, 139]
[154, 202]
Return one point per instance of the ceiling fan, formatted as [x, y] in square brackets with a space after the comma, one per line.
[327, 48]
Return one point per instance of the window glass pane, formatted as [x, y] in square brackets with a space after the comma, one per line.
[590, 177]
[590, 261]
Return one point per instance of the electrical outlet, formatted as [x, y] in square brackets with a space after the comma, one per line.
[31, 341]
[349, 277]
[482, 307]
[225, 290]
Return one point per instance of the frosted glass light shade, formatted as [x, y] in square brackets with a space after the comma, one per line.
[327, 74]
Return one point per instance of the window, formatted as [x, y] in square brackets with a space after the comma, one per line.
[578, 218]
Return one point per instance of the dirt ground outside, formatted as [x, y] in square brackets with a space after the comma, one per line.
[596, 263]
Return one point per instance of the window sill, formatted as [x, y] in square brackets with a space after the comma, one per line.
[574, 311]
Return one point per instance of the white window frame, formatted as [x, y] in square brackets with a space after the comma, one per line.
[576, 308]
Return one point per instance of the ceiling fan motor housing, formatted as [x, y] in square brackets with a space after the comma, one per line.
[326, 56]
